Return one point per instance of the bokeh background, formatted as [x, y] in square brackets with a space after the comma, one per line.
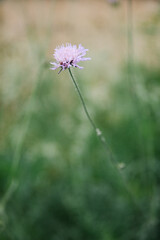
[57, 182]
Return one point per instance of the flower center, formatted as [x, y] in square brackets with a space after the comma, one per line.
[65, 64]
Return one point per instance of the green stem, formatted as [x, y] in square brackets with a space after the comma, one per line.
[97, 130]
[82, 100]
[111, 157]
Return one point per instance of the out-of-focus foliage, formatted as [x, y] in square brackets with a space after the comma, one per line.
[64, 186]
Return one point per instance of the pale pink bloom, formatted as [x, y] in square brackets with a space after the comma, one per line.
[68, 56]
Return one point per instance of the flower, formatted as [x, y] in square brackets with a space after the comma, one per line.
[68, 56]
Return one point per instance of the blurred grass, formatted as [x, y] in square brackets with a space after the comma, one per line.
[65, 187]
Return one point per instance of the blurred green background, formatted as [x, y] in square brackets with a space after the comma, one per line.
[56, 180]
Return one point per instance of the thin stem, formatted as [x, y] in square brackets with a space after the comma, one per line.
[82, 100]
[111, 158]
[97, 130]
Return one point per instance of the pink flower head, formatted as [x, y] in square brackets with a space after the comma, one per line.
[68, 56]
